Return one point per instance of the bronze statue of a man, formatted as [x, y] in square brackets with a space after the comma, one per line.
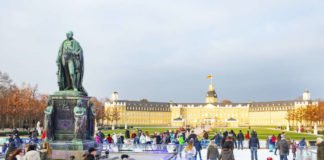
[70, 65]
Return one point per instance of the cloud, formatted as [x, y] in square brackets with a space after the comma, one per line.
[162, 50]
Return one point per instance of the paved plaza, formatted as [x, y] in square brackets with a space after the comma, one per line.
[245, 154]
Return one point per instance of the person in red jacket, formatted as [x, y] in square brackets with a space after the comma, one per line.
[133, 135]
[272, 143]
[43, 137]
[109, 139]
[247, 135]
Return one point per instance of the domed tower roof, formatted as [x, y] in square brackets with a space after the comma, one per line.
[211, 96]
[211, 91]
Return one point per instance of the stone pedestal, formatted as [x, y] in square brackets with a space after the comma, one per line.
[71, 121]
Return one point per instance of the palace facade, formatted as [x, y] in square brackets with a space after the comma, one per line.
[212, 112]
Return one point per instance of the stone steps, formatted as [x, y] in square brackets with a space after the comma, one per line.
[64, 136]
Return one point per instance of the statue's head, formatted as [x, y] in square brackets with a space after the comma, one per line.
[69, 35]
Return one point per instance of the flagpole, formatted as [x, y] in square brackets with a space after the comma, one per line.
[211, 80]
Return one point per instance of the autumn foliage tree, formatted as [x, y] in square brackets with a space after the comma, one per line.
[99, 109]
[20, 106]
[310, 115]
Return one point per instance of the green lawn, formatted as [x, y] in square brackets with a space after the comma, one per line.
[263, 132]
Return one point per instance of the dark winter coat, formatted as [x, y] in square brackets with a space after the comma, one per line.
[228, 144]
[158, 139]
[212, 152]
[226, 154]
[240, 136]
[254, 142]
[11, 147]
[223, 140]
[191, 136]
[218, 139]
[120, 140]
[320, 151]
[283, 147]
[127, 135]
[102, 136]
[89, 157]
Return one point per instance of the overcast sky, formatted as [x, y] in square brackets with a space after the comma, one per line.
[164, 50]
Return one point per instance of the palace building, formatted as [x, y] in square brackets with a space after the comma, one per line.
[212, 112]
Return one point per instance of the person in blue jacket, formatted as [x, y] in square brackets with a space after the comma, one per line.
[254, 145]
[198, 148]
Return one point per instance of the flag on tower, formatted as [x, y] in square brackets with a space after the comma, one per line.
[210, 76]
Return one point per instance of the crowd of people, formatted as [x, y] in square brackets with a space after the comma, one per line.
[285, 146]
[221, 146]
[15, 144]
[188, 144]
[280, 145]
[19, 151]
